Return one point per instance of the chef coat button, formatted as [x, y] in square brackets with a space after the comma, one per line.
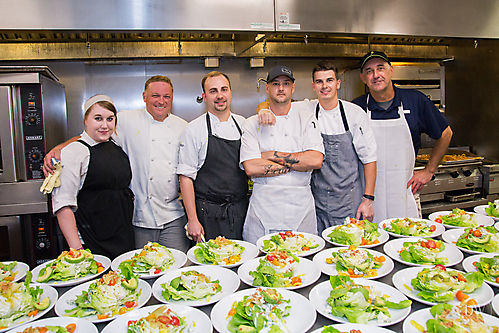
[151, 178]
[169, 142]
[153, 140]
[169, 163]
[285, 134]
[152, 159]
[169, 180]
[167, 198]
[150, 196]
[271, 134]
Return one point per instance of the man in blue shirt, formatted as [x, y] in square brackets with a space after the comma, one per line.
[398, 117]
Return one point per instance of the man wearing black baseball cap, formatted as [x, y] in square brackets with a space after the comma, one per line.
[398, 117]
[280, 160]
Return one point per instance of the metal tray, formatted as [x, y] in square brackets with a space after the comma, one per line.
[471, 158]
[461, 197]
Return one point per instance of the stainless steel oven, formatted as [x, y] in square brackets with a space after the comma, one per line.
[32, 120]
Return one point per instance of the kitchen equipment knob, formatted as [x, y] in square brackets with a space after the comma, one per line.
[467, 173]
[433, 178]
[454, 174]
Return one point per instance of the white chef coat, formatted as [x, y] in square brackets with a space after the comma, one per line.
[297, 124]
[194, 141]
[282, 202]
[330, 123]
[74, 161]
[152, 147]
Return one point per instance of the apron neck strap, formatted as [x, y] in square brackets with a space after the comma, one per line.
[342, 113]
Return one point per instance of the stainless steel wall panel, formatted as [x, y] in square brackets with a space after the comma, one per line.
[449, 18]
[116, 15]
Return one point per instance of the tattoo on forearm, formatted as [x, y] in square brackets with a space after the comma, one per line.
[287, 160]
[274, 170]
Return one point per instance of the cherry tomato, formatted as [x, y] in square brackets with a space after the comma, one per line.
[288, 233]
[157, 271]
[163, 319]
[271, 257]
[71, 327]
[439, 220]
[431, 244]
[433, 228]
[99, 264]
[175, 321]
[477, 233]
[441, 267]
[305, 248]
[130, 322]
[130, 304]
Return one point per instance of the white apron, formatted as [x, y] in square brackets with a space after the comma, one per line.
[395, 166]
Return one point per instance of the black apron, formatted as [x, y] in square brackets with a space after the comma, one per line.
[221, 188]
[337, 186]
[105, 202]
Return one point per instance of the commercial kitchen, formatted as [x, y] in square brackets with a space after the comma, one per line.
[55, 54]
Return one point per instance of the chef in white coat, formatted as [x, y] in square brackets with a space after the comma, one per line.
[398, 117]
[280, 160]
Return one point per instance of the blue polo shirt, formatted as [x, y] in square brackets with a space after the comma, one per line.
[423, 117]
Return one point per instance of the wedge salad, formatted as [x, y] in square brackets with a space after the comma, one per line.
[114, 293]
[20, 299]
[492, 209]
[480, 239]
[359, 303]
[162, 319]
[424, 252]
[448, 318]
[153, 259]
[263, 311]
[489, 267]
[276, 270]
[355, 232]
[218, 251]
[289, 241]
[356, 263]
[409, 227]
[440, 285]
[190, 285]
[70, 265]
[458, 218]
[7, 271]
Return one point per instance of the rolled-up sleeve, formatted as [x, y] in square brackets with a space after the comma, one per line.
[74, 160]
[188, 156]
[250, 148]
[363, 139]
[312, 135]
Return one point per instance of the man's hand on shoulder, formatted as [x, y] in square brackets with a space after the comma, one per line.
[48, 168]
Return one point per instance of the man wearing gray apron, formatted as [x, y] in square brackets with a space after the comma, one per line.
[398, 117]
[280, 160]
[350, 151]
[214, 188]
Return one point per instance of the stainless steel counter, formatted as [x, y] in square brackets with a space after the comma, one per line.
[321, 320]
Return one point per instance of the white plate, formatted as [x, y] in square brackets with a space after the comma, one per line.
[64, 301]
[306, 269]
[179, 256]
[481, 219]
[495, 305]
[362, 327]
[423, 315]
[393, 247]
[49, 292]
[105, 261]
[82, 326]
[314, 238]
[320, 293]
[440, 228]
[201, 320]
[402, 279]
[250, 252]
[301, 317]
[227, 279]
[330, 269]
[383, 238]
[451, 237]
[468, 265]
[21, 269]
[481, 210]
[496, 226]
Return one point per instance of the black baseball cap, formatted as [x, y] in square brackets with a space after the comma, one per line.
[373, 54]
[278, 71]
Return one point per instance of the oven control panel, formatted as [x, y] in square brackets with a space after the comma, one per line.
[32, 123]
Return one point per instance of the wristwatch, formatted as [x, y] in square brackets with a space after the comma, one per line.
[368, 196]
